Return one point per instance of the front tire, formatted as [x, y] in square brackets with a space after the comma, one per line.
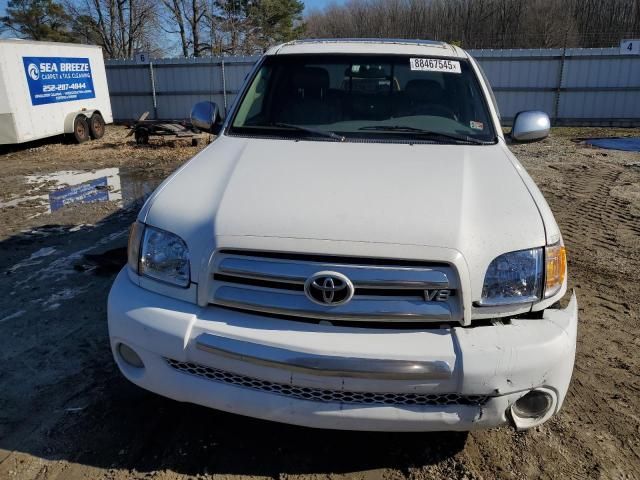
[96, 126]
[81, 129]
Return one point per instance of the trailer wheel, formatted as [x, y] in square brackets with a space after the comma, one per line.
[96, 126]
[81, 129]
[142, 136]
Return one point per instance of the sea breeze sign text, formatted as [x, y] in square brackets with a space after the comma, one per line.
[58, 79]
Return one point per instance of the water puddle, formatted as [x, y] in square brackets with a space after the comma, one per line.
[52, 191]
[627, 144]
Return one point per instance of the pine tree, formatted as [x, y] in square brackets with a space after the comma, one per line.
[37, 20]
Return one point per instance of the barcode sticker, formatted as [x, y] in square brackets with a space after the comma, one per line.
[435, 65]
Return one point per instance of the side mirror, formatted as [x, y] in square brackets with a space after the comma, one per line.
[530, 126]
[205, 116]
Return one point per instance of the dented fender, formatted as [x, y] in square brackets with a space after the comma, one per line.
[525, 354]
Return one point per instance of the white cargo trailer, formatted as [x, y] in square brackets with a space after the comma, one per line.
[51, 88]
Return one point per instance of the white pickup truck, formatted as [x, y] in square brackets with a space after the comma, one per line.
[358, 249]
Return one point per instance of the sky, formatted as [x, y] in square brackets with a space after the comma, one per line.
[318, 4]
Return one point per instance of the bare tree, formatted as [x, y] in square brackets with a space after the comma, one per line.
[177, 23]
[483, 23]
[120, 26]
[187, 18]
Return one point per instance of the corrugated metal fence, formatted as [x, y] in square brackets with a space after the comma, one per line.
[168, 88]
[576, 86]
[580, 86]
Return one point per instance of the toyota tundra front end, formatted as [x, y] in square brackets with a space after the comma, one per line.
[358, 249]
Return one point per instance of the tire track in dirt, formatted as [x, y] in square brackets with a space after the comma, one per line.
[594, 224]
[595, 209]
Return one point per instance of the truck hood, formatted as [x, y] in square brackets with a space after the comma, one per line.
[467, 198]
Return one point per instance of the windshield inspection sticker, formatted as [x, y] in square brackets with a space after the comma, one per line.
[435, 65]
[476, 125]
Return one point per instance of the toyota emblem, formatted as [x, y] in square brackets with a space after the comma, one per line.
[329, 288]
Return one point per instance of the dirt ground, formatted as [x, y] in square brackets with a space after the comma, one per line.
[66, 413]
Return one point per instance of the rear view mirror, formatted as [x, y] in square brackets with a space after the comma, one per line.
[205, 116]
[530, 125]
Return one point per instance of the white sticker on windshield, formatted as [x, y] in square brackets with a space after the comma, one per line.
[435, 65]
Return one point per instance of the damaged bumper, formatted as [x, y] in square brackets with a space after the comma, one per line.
[338, 377]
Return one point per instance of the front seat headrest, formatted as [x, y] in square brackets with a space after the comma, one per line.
[310, 82]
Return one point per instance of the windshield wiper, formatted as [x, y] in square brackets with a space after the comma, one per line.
[313, 131]
[421, 131]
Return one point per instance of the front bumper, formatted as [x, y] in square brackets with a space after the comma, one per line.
[501, 362]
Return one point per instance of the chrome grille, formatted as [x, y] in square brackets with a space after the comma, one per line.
[326, 396]
[384, 292]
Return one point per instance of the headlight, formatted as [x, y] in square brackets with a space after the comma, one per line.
[159, 254]
[514, 277]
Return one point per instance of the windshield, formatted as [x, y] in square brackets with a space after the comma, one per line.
[345, 97]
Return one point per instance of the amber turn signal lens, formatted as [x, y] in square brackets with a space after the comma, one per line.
[556, 269]
[133, 248]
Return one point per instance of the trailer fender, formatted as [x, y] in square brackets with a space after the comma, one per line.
[71, 118]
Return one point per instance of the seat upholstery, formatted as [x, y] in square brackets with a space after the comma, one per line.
[423, 97]
[424, 91]
[309, 101]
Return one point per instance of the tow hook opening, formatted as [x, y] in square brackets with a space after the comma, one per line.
[533, 408]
